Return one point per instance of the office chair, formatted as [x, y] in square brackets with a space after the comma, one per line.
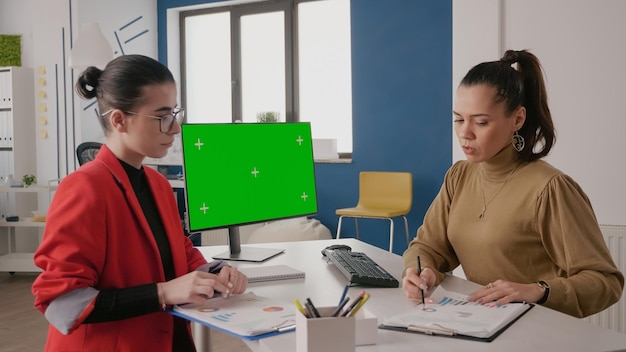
[382, 195]
[87, 151]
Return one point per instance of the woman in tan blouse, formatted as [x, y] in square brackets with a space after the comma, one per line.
[515, 223]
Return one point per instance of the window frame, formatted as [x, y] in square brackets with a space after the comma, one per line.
[236, 11]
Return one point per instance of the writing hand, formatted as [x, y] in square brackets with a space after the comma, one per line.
[414, 284]
[195, 287]
[238, 281]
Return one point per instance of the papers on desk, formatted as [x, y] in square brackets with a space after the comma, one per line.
[453, 315]
[246, 316]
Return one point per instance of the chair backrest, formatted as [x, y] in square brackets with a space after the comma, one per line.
[87, 151]
[386, 190]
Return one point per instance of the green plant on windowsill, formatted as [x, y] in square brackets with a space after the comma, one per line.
[268, 116]
[29, 180]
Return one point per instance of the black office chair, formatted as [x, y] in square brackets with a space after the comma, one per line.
[87, 151]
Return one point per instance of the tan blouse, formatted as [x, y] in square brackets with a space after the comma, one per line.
[539, 225]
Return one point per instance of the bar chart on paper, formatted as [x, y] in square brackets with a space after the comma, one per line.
[247, 316]
[454, 314]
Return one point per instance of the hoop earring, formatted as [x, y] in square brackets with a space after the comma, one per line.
[518, 142]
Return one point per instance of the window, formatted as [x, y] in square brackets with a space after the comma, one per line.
[284, 60]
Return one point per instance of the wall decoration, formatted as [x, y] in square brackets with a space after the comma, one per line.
[10, 50]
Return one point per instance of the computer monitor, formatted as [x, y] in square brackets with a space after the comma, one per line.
[244, 173]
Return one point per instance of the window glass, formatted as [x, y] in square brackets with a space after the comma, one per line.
[325, 70]
[244, 74]
[263, 67]
[207, 68]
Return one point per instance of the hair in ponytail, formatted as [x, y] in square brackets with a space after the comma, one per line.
[522, 85]
[120, 84]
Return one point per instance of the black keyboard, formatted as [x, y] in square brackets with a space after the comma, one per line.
[360, 269]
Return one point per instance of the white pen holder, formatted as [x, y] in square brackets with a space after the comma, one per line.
[366, 328]
[325, 334]
[337, 334]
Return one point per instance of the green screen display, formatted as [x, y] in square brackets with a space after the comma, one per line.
[243, 173]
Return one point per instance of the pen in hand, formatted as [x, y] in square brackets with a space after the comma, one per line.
[419, 272]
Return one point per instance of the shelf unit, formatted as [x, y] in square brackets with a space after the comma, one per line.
[12, 257]
[18, 157]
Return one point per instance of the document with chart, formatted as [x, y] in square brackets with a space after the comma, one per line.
[453, 315]
[246, 316]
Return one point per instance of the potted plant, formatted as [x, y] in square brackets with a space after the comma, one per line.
[29, 180]
[268, 116]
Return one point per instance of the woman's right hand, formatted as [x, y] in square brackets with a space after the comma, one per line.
[414, 285]
[194, 287]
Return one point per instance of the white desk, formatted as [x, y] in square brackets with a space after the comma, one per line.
[541, 329]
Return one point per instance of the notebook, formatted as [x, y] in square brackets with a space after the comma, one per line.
[246, 316]
[271, 273]
[454, 316]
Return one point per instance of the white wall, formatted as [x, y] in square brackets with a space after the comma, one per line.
[580, 43]
[581, 46]
[48, 28]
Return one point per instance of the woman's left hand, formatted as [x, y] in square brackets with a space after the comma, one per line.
[502, 292]
[236, 278]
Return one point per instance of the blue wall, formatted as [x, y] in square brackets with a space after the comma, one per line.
[402, 96]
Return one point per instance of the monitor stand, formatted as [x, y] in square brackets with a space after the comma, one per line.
[245, 254]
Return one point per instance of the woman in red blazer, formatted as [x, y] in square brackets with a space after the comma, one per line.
[114, 254]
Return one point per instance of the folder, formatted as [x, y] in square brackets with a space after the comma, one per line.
[454, 316]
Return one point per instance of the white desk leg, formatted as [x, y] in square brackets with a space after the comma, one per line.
[201, 337]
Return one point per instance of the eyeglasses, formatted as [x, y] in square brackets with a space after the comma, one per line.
[166, 121]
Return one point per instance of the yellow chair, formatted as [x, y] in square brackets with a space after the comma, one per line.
[382, 195]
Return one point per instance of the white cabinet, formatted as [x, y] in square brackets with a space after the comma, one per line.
[18, 158]
[17, 122]
[19, 239]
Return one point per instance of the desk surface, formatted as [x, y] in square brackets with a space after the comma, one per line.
[541, 329]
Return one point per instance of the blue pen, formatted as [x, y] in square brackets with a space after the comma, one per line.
[344, 293]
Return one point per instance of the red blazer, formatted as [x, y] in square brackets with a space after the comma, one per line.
[96, 235]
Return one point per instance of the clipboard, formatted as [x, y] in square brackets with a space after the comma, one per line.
[246, 316]
[455, 316]
[443, 332]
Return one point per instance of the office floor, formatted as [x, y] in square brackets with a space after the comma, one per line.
[24, 329]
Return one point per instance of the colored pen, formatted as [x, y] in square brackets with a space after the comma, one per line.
[419, 272]
[300, 307]
[353, 304]
[340, 306]
[309, 310]
[358, 306]
[316, 314]
[344, 293]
